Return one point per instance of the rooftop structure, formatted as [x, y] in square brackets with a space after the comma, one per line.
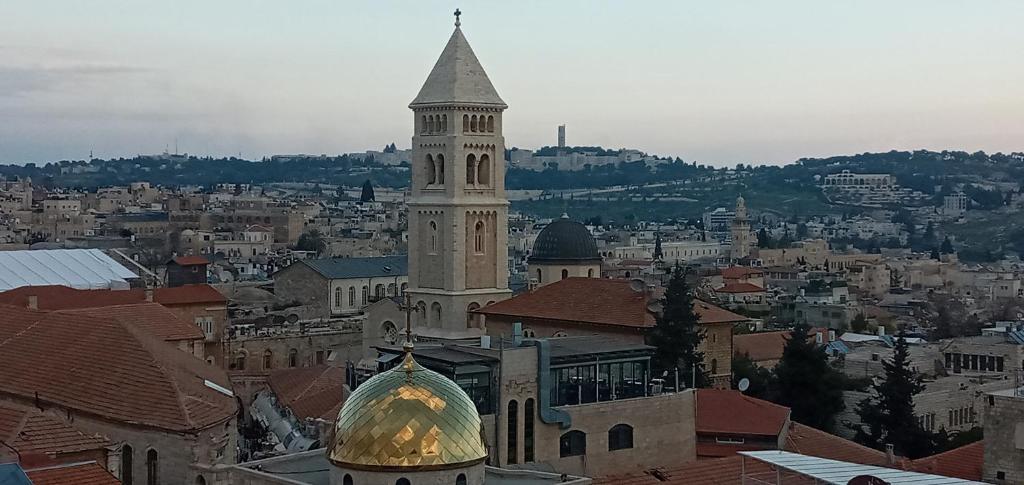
[77, 268]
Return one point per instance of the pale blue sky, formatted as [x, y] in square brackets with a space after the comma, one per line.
[718, 82]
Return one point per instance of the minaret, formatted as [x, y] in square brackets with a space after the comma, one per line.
[740, 230]
[458, 214]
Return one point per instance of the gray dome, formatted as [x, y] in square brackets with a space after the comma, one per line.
[564, 240]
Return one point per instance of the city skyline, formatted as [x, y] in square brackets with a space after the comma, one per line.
[718, 84]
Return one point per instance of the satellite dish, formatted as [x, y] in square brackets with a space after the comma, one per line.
[655, 306]
[637, 285]
[744, 384]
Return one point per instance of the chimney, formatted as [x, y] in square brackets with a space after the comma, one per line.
[881, 330]
[33, 302]
[890, 454]
[485, 341]
[149, 294]
[517, 333]
[831, 335]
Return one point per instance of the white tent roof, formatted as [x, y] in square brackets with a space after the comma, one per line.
[841, 472]
[83, 269]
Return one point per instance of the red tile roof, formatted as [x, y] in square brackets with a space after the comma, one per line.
[595, 301]
[29, 430]
[151, 317]
[87, 473]
[740, 288]
[310, 392]
[190, 260]
[761, 346]
[964, 462]
[736, 272]
[55, 297]
[814, 442]
[107, 368]
[725, 412]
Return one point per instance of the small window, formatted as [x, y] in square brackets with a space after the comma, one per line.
[573, 443]
[268, 360]
[461, 479]
[402, 481]
[293, 358]
[126, 464]
[620, 437]
[347, 480]
[478, 238]
[565, 274]
[152, 468]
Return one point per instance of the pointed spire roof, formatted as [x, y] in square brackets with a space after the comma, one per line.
[458, 78]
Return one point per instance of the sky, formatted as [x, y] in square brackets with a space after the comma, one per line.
[763, 82]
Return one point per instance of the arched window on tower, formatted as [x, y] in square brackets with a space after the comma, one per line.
[483, 171]
[478, 238]
[472, 124]
[435, 314]
[565, 274]
[433, 237]
[528, 411]
[714, 366]
[471, 318]
[461, 479]
[444, 124]
[423, 124]
[152, 468]
[470, 169]
[126, 464]
[268, 359]
[490, 124]
[513, 431]
[430, 124]
[421, 313]
[431, 170]
[465, 123]
[440, 169]
[347, 480]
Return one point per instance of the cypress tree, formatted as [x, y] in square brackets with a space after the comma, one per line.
[677, 334]
[806, 382]
[367, 194]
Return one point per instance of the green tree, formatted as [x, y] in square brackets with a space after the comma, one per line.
[887, 416]
[367, 194]
[677, 334]
[935, 254]
[807, 383]
[947, 246]
[764, 241]
[312, 241]
[760, 378]
[859, 324]
[657, 247]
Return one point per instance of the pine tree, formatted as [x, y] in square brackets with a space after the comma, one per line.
[763, 239]
[657, 247]
[806, 382]
[887, 417]
[367, 194]
[947, 246]
[677, 334]
[935, 254]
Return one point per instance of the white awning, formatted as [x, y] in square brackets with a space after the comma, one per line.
[83, 269]
[841, 472]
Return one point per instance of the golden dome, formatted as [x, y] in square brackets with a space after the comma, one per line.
[408, 417]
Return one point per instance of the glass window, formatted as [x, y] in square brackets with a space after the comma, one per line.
[573, 443]
[620, 437]
[513, 431]
[528, 411]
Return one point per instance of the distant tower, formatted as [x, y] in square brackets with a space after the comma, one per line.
[458, 213]
[561, 136]
[740, 231]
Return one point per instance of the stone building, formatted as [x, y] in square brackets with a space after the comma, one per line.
[458, 213]
[739, 231]
[563, 249]
[187, 270]
[341, 286]
[171, 415]
[1004, 428]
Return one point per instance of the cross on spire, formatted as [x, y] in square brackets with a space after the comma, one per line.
[457, 14]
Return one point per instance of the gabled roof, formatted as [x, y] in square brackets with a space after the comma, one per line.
[735, 272]
[57, 297]
[809, 441]
[29, 430]
[190, 261]
[151, 317]
[458, 78]
[110, 369]
[740, 288]
[310, 392]
[596, 301]
[85, 473]
[964, 462]
[760, 346]
[346, 268]
[727, 412]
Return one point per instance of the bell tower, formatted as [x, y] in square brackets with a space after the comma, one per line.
[458, 214]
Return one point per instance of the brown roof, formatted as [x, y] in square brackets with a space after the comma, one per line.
[964, 462]
[809, 441]
[735, 272]
[310, 392]
[29, 430]
[595, 301]
[726, 412]
[740, 288]
[56, 297]
[151, 317]
[87, 473]
[190, 260]
[110, 369]
[761, 346]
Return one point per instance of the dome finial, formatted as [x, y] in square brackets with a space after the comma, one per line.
[458, 22]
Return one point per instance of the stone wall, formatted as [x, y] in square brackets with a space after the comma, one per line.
[1004, 439]
[301, 283]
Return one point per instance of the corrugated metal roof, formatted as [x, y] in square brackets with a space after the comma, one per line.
[841, 472]
[77, 268]
[345, 268]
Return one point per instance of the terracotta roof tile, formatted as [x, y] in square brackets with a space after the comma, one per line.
[88, 473]
[736, 272]
[190, 260]
[107, 368]
[29, 430]
[761, 346]
[740, 288]
[965, 462]
[595, 301]
[56, 297]
[310, 392]
[716, 471]
[151, 317]
[726, 412]
[814, 442]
